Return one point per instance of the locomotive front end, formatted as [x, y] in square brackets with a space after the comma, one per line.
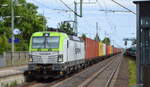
[47, 54]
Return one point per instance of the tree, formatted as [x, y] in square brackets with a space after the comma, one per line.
[4, 46]
[106, 41]
[83, 36]
[66, 27]
[29, 21]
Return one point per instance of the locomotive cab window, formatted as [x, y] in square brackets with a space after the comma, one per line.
[45, 42]
[52, 42]
[38, 42]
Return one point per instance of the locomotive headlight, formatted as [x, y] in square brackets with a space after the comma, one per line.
[30, 60]
[60, 58]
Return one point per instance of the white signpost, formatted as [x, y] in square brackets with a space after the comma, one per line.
[16, 31]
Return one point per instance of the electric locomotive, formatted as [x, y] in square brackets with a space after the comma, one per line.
[53, 54]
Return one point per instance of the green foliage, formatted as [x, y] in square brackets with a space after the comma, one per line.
[106, 41]
[66, 27]
[29, 21]
[13, 84]
[132, 72]
[83, 36]
[4, 45]
[22, 46]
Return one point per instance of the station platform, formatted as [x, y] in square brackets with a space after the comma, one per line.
[8, 71]
[138, 85]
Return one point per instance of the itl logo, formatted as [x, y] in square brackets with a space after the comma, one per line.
[77, 50]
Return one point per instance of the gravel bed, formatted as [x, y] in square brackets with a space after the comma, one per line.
[102, 79]
[77, 79]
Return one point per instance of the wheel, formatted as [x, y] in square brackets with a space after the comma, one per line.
[28, 77]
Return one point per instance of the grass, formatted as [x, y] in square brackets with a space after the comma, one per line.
[11, 84]
[132, 72]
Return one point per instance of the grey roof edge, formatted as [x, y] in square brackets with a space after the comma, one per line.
[141, 1]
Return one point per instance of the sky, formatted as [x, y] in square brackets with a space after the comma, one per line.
[116, 26]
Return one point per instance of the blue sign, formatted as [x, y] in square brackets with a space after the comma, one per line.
[17, 40]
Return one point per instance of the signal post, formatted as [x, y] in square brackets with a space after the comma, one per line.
[143, 42]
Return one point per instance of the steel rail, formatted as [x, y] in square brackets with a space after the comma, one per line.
[92, 78]
[112, 75]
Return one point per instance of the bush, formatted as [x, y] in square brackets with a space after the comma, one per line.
[22, 46]
[4, 45]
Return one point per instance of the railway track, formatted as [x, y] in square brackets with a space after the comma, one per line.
[104, 77]
[84, 78]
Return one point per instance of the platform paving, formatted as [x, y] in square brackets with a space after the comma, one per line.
[123, 78]
[12, 71]
[140, 85]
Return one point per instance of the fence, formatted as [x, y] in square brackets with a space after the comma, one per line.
[19, 58]
[2, 61]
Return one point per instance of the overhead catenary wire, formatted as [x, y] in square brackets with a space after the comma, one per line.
[113, 11]
[112, 26]
[106, 17]
[123, 6]
[69, 8]
[89, 2]
[81, 2]
[105, 7]
[51, 9]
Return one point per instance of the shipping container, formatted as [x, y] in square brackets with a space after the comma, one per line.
[109, 50]
[101, 49]
[91, 48]
[104, 47]
[115, 50]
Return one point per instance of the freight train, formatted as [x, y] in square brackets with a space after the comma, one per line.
[130, 52]
[54, 54]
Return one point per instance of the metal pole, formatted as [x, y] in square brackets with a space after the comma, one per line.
[44, 29]
[105, 34]
[113, 42]
[81, 1]
[12, 25]
[75, 19]
[138, 46]
[97, 27]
